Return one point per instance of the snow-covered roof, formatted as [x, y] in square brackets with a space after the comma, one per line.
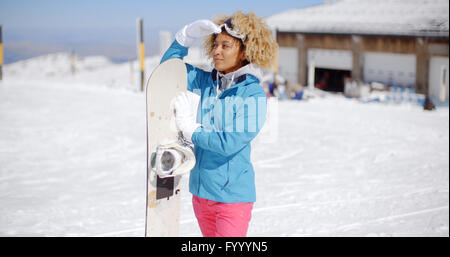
[425, 18]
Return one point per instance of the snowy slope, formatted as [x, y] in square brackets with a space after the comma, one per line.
[90, 70]
[72, 163]
[72, 159]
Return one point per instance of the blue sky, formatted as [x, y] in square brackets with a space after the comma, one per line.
[82, 25]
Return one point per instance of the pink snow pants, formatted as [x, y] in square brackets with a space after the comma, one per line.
[222, 219]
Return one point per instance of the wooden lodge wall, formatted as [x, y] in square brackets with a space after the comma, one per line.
[423, 48]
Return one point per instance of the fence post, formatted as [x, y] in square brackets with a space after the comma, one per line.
[131, 71]
[443, 78]
[1, 54]
[141, 54]
[72, 62]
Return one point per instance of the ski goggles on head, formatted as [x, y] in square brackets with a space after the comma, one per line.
[230, 30]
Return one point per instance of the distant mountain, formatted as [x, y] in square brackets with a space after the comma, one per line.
[68, 67]
[117, 52]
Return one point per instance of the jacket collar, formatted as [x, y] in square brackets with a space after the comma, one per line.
[238, 76]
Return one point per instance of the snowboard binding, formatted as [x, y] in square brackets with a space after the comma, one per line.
[173, 159]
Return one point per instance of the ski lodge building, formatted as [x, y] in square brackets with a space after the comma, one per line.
[395, 42]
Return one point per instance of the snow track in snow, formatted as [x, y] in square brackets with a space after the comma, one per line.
[72, 163]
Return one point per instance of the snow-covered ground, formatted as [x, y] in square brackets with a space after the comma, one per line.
[72, 163]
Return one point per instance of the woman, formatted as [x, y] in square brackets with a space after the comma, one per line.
[231, 112]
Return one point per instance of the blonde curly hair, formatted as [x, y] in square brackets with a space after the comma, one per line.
[259, 45]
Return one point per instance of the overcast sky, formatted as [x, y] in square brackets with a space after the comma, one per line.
[84, 26]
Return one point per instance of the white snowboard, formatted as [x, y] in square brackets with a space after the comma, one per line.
[163, 194]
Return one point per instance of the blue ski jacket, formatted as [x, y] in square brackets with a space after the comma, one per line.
[229, 120]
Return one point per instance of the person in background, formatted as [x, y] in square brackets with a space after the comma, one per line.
[273, 86]
[294, 90]
[323, 82]
[428, 104]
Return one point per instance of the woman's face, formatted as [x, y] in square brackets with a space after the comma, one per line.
[227, 53]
